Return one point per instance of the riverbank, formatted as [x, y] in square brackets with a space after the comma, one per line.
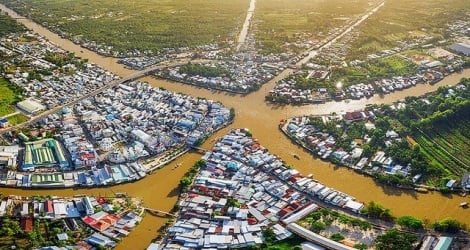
[374, 141]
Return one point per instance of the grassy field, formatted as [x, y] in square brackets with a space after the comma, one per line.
[447, 146]
[279, 20]
[17, 119]
[406, 20]
[139, 24]
[8, 97]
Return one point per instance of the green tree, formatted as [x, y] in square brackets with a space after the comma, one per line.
[360, 246]
[269, 235]
[376, 210]
[393, 239]
[337, 237]
[185, 182]
[200, 164]
[448, 225]
[318, 226]
[410, 222]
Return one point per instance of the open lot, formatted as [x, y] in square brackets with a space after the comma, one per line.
[142, 25]
[7, 98]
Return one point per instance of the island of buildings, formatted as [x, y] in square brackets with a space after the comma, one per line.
[103, 140]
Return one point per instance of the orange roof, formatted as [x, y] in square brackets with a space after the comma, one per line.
[27, 224]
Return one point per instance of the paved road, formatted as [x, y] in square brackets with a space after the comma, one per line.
[246, 25]
[313, 52]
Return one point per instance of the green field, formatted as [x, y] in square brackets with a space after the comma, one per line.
[374, 70]
[9, 95]
[447, 145]
[406, 20]
[139, 24]
[17, 119]
[279, 20]
[9, 25]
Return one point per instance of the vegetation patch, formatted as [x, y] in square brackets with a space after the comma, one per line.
[394, 239]
[138, 25]
[17, 119]
[441, 128]
[285, 21]
[203, 70]
[371, 70]
[338, 227]
[10, 94]
[9, 25]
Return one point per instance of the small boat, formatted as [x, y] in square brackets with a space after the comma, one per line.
[176, 166]
[121, 195]
[422, 190]
[464, 204]
[296, 156]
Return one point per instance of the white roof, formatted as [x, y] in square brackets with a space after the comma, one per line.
[30, 106]
[311, 246]
[354, 205]
[153, 246]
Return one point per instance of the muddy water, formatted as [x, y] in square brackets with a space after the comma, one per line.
[158, 190]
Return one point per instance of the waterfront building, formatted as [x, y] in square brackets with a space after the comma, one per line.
[44, 153]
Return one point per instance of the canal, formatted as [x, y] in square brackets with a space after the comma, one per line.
[159, 190]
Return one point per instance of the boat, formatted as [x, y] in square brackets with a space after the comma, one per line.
[464, 204]
[176, 166]
[296, 156]
[120, 194]
[422, 190]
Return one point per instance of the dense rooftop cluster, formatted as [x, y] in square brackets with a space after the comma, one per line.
[125, 123]
[48, 74]
[325, 144]
[240, 191]
[243, 72]
[80, 222]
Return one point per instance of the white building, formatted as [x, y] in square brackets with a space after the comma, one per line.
[31, 106]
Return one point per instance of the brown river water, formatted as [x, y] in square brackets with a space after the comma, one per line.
[159, 190]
